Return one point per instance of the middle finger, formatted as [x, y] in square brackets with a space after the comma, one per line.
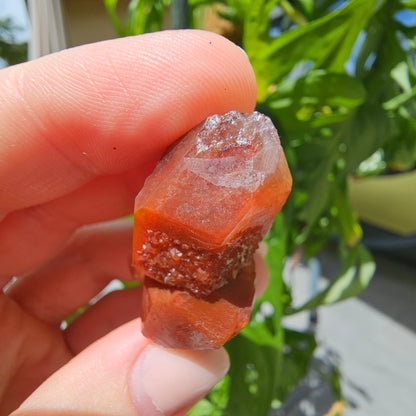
[96, 255]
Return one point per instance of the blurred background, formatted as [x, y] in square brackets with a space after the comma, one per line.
[338, 79]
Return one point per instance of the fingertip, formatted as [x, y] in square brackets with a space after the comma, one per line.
[163, 381]
[100, 318]
[105, 108]
[95, 382]
[124, 373]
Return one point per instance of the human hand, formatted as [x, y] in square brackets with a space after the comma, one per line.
[80, 132]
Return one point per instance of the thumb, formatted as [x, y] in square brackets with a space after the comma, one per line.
[126, 374]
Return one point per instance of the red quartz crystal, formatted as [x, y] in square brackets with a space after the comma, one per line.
[178, 319]
[197, 222]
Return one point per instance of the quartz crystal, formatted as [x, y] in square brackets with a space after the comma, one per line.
[197, 222]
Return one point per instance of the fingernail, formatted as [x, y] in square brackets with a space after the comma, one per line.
[165, 381]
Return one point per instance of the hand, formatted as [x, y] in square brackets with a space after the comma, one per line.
[80, 132]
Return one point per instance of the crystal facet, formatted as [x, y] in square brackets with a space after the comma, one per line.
[198, 220]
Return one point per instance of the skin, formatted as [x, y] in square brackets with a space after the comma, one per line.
[80, 131]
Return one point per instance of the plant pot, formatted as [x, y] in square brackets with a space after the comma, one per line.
[386, 201]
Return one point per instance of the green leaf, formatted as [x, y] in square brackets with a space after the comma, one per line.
[351, 231]
[372, 39]
[230, 14]
[319, 98]
[388, 53]
[204, 408]
[268, 331]
[411, 5]
[364, 132]
[357, 272]
[142, 16]
[307, 6]
[331, 38]
[401, 74]
[318, 184]
[215, 402]
[145, 16]
[253, 376]
[400, 150]
[315, 159]
[373, 165]
[198, 3]
[298, 351]
[263, 375]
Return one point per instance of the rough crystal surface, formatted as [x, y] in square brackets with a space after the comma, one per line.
[201, 214]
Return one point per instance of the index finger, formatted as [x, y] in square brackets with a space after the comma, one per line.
[105, 108]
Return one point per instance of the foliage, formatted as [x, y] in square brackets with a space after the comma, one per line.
[10, 50]
[338, 80]
[142, 16]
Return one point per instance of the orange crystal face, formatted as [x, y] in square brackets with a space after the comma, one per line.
[199, 219]
[176, 318]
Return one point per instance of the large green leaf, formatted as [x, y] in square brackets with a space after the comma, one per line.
[266, 330]
[298, 351]
[253, 376]
[317, 99]
[383, 44]
[402, 74]
[262, 376]
[362, 134]
[372, 39]
[327, 42]
[350, 229]
[358, 269]
[316, 157]
[400, 150]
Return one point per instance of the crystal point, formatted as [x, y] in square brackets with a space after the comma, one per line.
[199, 219]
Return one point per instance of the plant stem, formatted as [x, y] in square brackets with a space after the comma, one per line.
[296, 16]
[179, 10]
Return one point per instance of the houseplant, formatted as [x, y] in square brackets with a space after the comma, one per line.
[338, 79]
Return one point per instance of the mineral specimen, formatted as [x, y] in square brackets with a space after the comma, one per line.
[197, 222]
